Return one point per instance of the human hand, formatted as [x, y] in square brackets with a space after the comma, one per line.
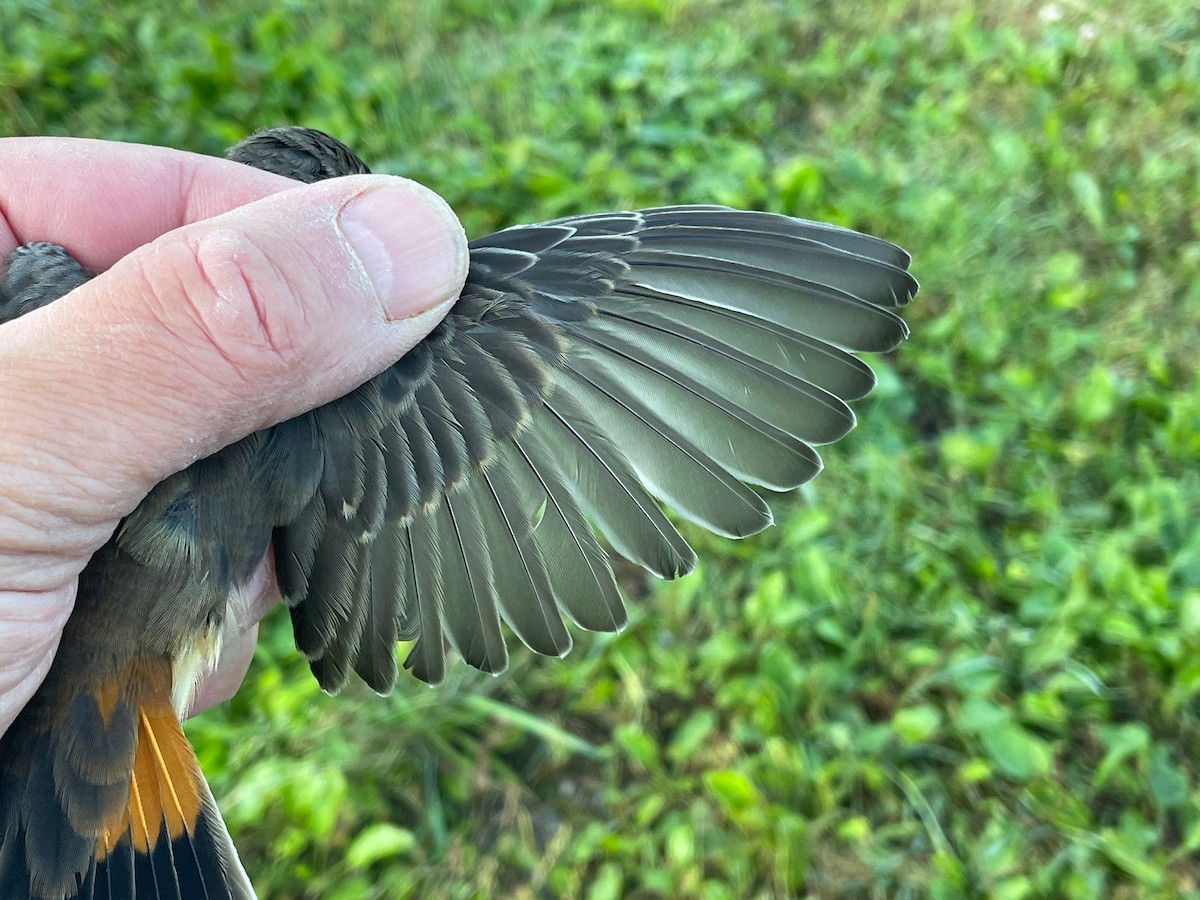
[229, 299]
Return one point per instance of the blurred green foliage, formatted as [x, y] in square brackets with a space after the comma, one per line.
[965, 663]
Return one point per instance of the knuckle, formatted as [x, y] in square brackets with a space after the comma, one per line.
[234, 299]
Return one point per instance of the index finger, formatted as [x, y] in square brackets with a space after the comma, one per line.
[103, 199]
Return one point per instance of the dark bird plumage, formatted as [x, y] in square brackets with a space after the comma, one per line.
[593, 367]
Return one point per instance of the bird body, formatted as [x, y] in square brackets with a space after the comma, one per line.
[592, 367]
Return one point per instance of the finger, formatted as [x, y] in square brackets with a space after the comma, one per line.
[223, 681]
[247, 605]
[30, 627]
[102, 200]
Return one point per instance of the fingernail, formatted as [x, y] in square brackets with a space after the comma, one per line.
[410, 243]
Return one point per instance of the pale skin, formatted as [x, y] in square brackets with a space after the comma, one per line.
[229, 299]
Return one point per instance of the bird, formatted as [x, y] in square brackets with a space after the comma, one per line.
[595, 369]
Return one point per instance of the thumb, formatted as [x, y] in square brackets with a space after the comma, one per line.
[190, 343]
[212, 331]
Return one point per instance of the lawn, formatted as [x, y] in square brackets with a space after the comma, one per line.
[966, 661]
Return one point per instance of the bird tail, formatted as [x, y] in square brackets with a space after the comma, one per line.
[102, 798]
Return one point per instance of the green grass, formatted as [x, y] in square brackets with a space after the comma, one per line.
[966, 662]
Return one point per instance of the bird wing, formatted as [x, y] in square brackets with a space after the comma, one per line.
[593, 367]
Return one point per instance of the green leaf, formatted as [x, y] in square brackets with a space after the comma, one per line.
[1168, 781]
[691, 734]
[1095, 397]
[965, 451]
[1087, 195]
[1016, 752]
[608, 884]
[637, 745]
[379, 842]
[732, 790]
[1128, 851]
[980, 715]
[916, 723]
[1123, 742]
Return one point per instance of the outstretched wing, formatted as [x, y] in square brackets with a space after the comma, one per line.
[593, 367]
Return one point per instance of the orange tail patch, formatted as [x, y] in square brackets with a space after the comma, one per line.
[166, 788]
[104, 799]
